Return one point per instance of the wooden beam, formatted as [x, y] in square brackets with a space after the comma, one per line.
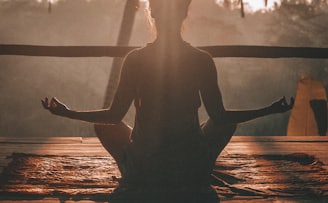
[64, 51]
[121, 51]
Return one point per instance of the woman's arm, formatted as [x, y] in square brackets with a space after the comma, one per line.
[58, 108]
[123, 98]
[279, 106]
[212, 100]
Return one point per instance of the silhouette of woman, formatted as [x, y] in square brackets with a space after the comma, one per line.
[168, 155]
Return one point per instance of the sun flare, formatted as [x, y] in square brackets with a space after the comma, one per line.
[257, 5]
[252, 5]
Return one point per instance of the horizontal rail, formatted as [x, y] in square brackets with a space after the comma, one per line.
[116, 51]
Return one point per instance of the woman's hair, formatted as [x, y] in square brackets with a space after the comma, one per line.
[156, 8]
[169, 6]
[178, 3]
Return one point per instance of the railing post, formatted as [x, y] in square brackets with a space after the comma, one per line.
[123, 40]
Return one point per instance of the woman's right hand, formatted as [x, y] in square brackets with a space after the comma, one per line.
[282, 106]
[55, 106]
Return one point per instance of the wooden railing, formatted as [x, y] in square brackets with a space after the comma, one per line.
[117, 51]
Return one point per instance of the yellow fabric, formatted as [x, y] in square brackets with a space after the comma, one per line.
[302, 121]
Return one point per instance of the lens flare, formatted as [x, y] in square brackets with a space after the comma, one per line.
[252, 6]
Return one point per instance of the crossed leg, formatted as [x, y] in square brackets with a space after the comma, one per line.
[115, 139]
[218, 136]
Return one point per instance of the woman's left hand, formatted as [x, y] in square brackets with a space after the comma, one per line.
[55, 106]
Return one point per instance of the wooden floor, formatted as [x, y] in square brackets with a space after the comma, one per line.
[268, 145]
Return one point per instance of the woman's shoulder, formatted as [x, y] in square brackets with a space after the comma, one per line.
[204, 54]
[150, 49]
[136, 53]
[198, 53]
[133, 53]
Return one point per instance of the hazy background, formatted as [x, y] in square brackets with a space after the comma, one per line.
[81, 82]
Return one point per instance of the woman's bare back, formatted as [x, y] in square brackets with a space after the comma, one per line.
[168, 83]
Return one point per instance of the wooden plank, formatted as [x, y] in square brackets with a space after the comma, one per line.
[234, 200]
[270, 200]
[268, 145]
[223, 199]
[45, 140]
[50, 200]
[239, 145]
[243, 149]
[40, 147]
[274, 150]
[90, 146]
[95, 140]
[279, 139]
[90, 140]
[114, 51]
[93, 146]
[53, 149]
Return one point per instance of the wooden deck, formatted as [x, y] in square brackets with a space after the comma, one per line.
[249, 145]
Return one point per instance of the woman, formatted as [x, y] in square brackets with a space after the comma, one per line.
[167, 151]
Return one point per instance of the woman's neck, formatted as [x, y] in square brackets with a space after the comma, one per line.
[169, 38]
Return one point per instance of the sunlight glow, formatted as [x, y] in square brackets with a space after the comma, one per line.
[50, 1]
[252, 5]
[257, 5]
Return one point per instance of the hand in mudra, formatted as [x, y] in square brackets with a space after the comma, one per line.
[55, 106]
[282, 106]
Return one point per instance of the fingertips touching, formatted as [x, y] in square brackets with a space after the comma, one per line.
[45, 103]
[53, 103]
[292, 101]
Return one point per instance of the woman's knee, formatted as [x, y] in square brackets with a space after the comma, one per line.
[211, 128]
[114, 138]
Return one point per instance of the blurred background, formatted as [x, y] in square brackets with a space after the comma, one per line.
[81, 82]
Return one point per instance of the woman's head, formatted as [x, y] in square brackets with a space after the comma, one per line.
[169, 8]
[169, 14]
